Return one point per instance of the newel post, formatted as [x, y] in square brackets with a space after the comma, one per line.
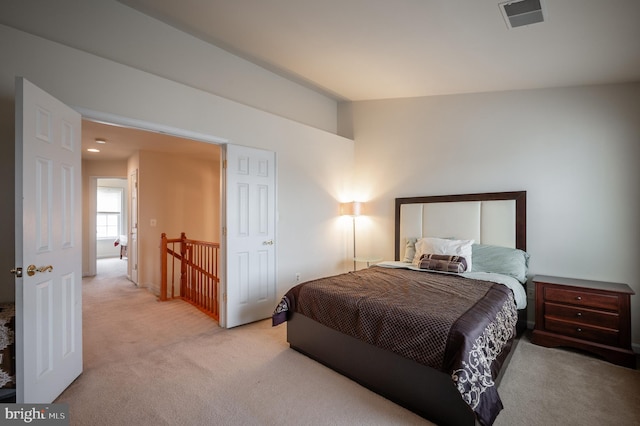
[163, 266]
[183, 265]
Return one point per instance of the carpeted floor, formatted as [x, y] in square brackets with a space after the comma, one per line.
[166, 363]
[545, 386]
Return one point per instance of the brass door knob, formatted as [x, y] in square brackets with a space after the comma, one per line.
[32, 269]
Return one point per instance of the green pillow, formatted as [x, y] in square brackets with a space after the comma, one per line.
[501, 260]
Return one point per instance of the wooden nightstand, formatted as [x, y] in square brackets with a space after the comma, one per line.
[593, 316]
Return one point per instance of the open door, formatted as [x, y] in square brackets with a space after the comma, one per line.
[132, 249]
[48, 245]
[249, 287]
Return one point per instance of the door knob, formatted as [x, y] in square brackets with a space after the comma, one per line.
[32, 269]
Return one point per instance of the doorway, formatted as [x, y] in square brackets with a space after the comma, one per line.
[112, 227]
[176, 179]
[167, 204]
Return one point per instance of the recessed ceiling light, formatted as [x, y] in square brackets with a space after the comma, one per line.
[101, 141]
[93, 150]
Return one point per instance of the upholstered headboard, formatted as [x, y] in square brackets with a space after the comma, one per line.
[496, 218]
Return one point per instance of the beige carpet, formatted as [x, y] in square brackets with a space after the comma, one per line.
[165, 363]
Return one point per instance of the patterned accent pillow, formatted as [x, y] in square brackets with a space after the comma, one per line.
[445, 246]
[443, 262]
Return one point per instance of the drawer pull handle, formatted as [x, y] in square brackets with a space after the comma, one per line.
[579, 298]
[578, 330]
[579, 314]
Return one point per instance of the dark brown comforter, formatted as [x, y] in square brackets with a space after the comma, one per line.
[460, 326]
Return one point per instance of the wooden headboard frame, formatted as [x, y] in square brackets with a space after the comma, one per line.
[520, 198]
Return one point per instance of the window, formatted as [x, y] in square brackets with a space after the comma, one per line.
[109, 212]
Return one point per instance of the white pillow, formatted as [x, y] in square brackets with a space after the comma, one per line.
[409, 250]
[430, 245]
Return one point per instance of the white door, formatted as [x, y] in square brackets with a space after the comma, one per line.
[250, 264]
[132, 248]
[48, 236]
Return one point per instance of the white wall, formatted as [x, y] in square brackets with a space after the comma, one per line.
[574, 150]
[112, 30]
[313, 164]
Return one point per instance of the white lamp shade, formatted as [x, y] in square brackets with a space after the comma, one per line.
[354, 208]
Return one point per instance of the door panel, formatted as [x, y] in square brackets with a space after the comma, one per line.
[132, 248]
[48, 230]
[250, 283]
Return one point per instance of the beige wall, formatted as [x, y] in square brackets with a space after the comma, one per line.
[574, 150]
[181, 194]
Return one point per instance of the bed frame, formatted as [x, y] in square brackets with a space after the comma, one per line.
[426, 391]
[495, 218]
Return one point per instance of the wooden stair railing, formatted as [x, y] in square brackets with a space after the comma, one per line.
[198, 272]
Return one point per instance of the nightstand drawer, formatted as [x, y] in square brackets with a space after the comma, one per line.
[582, 315]
[582, 298]
[581, 331]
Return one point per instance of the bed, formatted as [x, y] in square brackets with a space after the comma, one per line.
[431, 340]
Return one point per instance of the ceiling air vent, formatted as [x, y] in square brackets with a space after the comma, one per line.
[523, 12]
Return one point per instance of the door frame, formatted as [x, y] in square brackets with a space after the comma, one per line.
[93, 243]
[113, 119]
[118, 120]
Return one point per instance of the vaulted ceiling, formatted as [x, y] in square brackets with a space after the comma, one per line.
[377, 49]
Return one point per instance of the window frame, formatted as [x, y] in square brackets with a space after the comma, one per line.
[107, 214]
